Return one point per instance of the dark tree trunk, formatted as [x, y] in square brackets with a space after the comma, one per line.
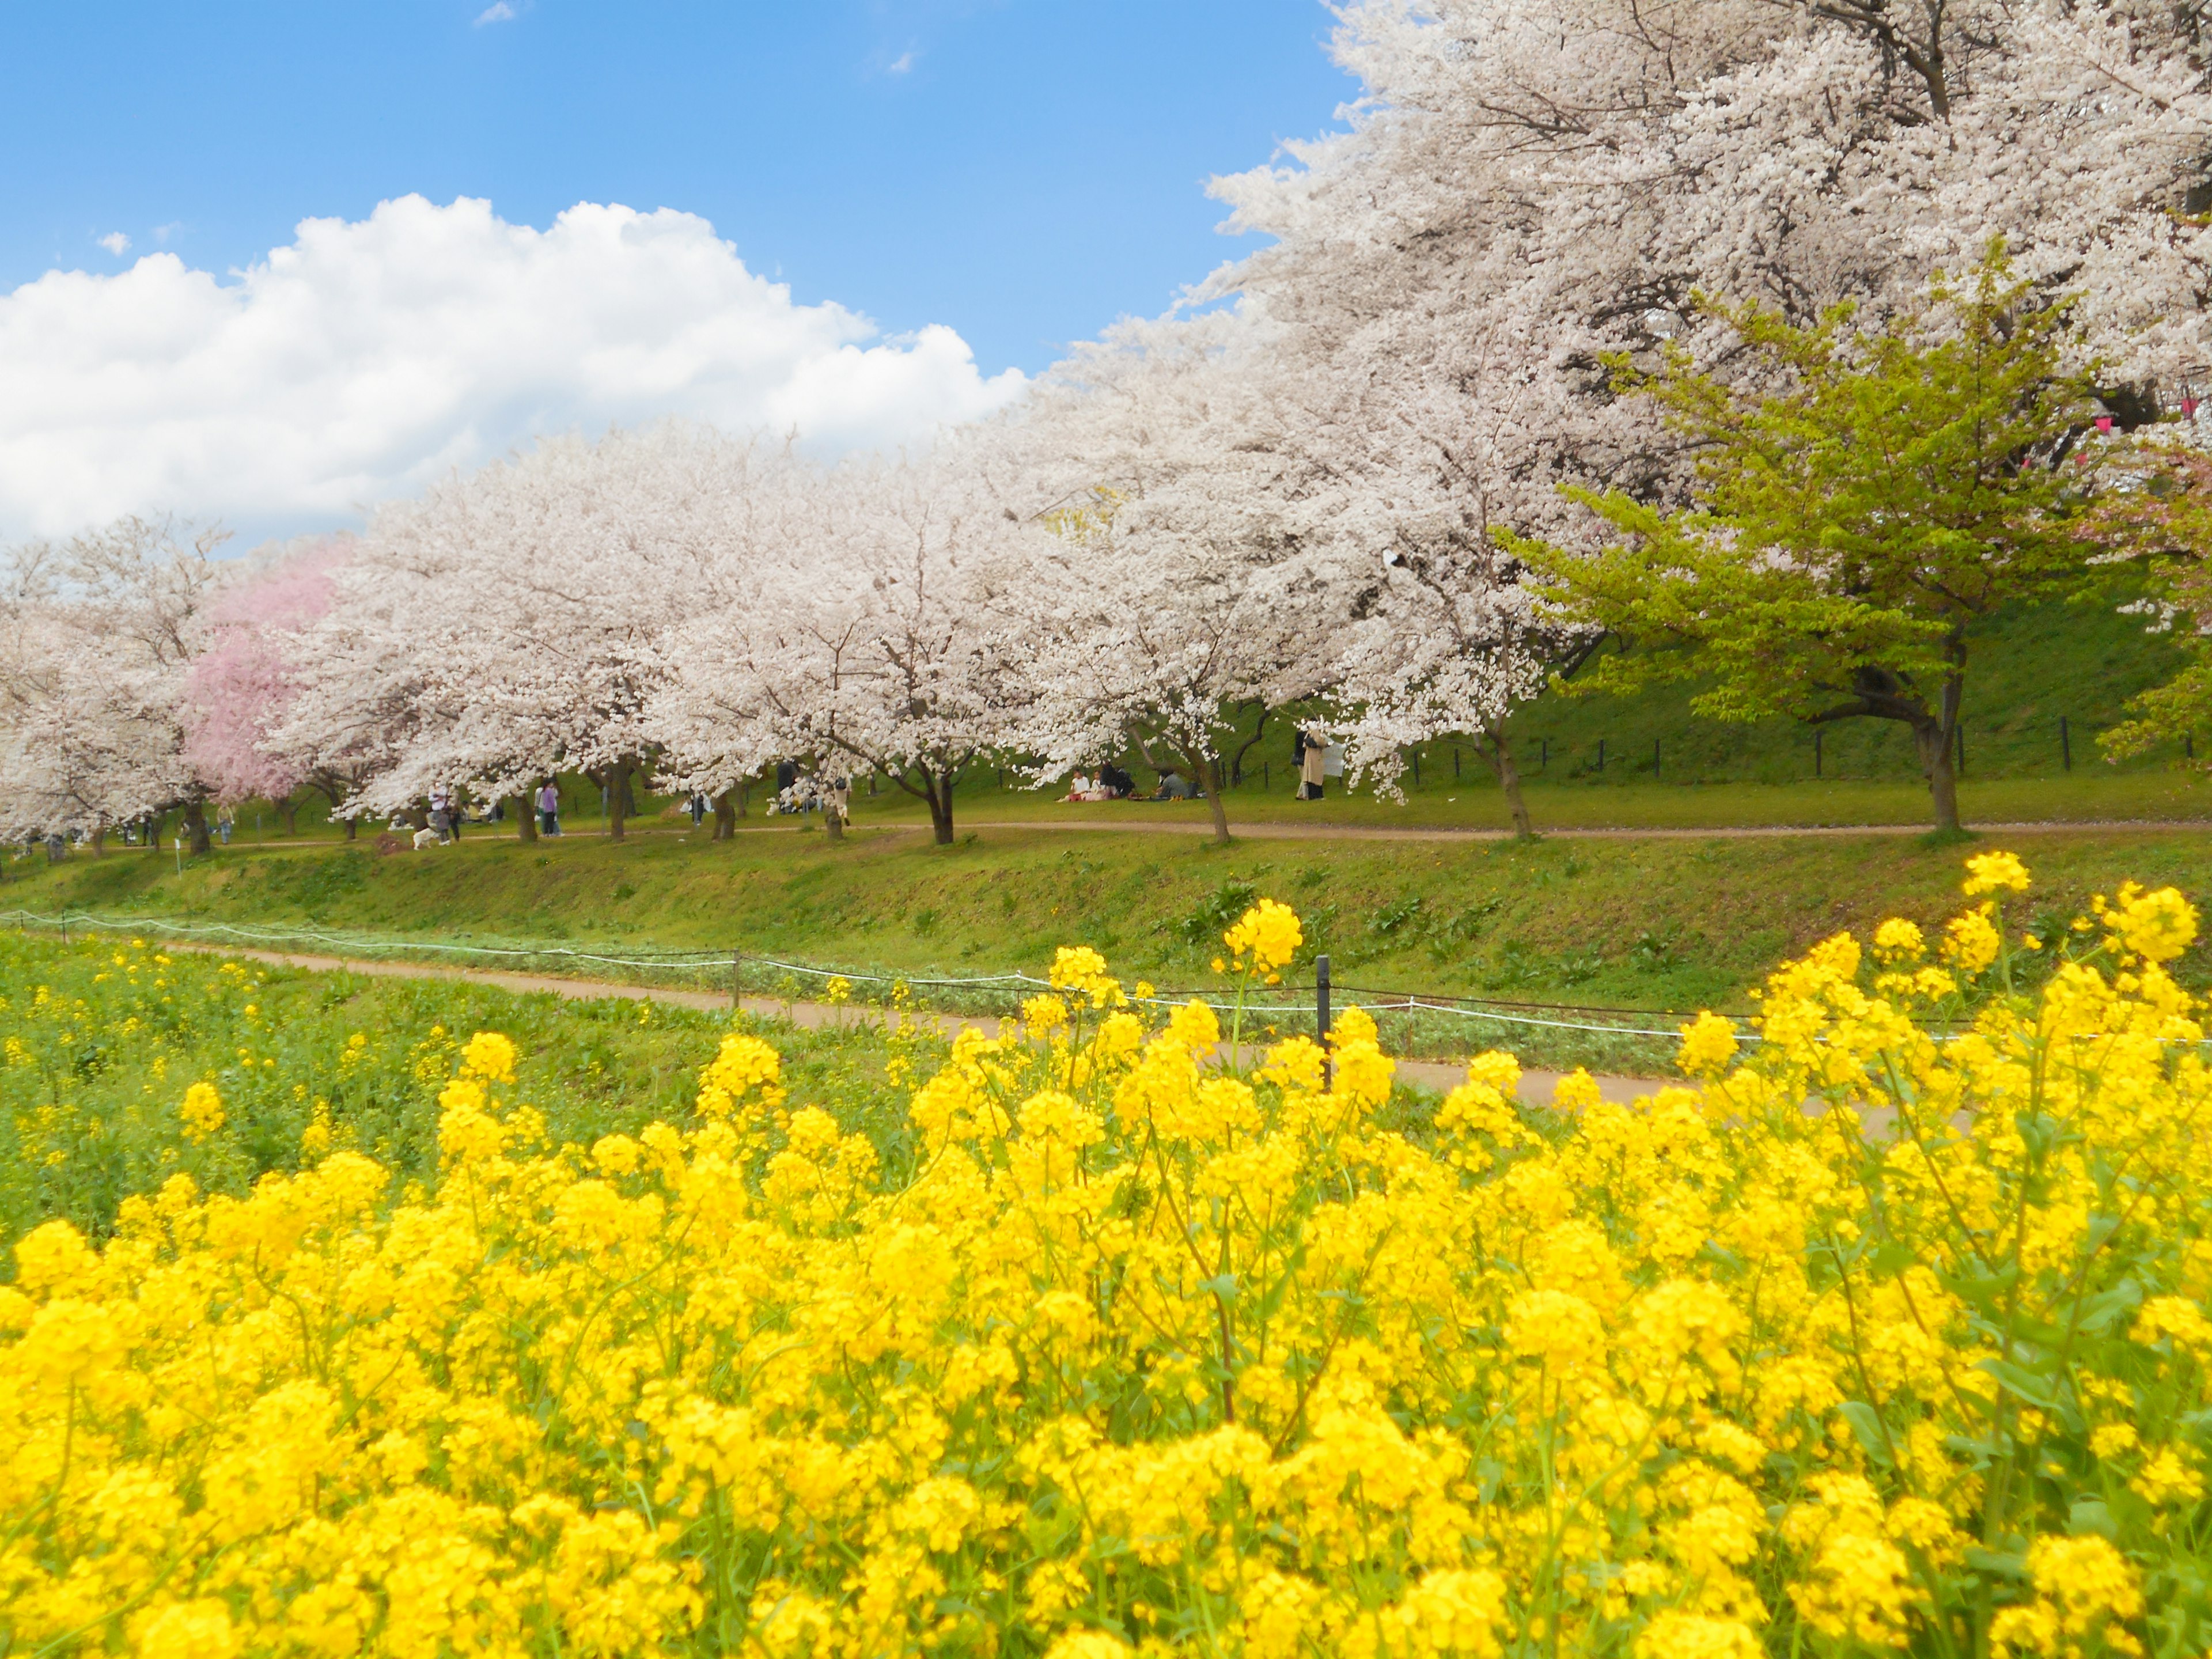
[288, 814]
[1937, 740]
[99, 841]
[154, 824]
[617, 788]
[196, 827]
[938, 786]
[1237, 765]
[726, 816]
[525, 821]
[353, 828]
[1509, 780]
[1206, 770]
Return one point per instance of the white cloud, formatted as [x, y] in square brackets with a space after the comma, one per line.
[366, 358]
[498, 12]
[902, 64]
[115, 242]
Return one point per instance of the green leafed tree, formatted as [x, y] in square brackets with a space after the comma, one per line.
[1863, 497]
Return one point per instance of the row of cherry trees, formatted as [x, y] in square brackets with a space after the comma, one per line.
[1295, 487]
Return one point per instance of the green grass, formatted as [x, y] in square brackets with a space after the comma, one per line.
[102, 1040]
[1640, 924]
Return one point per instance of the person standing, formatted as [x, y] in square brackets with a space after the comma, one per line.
[548, 810]
[225, 821]
[1311, 759]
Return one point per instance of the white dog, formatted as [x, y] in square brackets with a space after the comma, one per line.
[427, 838]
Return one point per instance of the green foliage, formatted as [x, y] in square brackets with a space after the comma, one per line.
[1851, 527]
[103, 1039]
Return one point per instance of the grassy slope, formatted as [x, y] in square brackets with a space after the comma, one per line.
[1673, 924]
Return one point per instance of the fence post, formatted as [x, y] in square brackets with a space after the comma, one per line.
[1600, 754]
[1962, 748]
[1417, 768]
[1654, 760]
[1266, 774]
[1544, 763]
[1816, 751]
[736, 999]
[1455, 762]
[1321, 1020]
[2065, 746]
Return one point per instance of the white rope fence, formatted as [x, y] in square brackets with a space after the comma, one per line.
[700, 962]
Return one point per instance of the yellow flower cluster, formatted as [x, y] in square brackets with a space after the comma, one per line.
[1891, 1337]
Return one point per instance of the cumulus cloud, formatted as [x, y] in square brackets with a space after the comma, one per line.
[498, 12]
[366, 358]
[115, 242]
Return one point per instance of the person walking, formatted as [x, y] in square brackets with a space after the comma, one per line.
[225, 821]
[548, 810]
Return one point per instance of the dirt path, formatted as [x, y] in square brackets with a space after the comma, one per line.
[1276, 830]
[1535, 1086]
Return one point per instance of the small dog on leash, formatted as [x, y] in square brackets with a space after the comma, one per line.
[427, 838]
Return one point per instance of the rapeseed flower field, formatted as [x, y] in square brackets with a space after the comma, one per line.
[1885, 1334]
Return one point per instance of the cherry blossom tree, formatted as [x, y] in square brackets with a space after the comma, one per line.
[245, 677]
[96, 643]
[875, 638]
[1529, 191]
[1184, 570]
[511, 623]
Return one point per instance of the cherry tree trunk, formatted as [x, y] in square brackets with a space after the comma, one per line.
[618, 798]
[1209, 780]
[940, 788]
[1509, 780]
[196, 827]
[525, 821]
[352, 829]
[726, 816]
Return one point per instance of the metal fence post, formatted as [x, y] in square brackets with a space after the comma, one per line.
[2065, 746]
[1320, 1021]
[736, 999]
[1600, 754]
[1816, 751]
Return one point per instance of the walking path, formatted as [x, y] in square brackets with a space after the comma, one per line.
[1535, 1086]
[1276, 830]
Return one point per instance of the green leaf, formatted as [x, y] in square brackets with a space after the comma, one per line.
[2022, 1384]
[1866, 1424]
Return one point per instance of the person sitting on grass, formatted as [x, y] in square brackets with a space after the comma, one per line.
[1175, 786]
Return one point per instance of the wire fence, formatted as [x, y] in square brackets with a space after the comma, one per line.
[1002, 992]
[1410, 1023]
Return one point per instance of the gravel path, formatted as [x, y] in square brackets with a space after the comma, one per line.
[1535, 1086]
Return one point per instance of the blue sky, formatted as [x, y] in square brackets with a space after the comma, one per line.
[1022, 171]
